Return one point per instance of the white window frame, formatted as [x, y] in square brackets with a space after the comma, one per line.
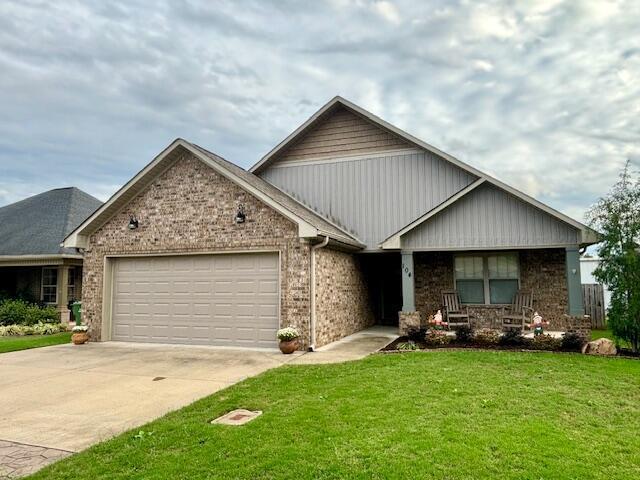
[485, 273]
[42, 285]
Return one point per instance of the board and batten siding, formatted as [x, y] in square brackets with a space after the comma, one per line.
[488, 217]
[374, 196]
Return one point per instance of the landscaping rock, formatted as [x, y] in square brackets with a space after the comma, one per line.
[602, 346]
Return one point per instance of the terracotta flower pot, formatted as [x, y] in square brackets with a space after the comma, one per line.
[80, 338]
[288, 346]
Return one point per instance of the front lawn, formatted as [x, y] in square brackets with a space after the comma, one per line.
[11, 344]
[443, 414]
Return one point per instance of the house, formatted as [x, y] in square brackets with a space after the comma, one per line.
[33, 264]
[346, 223]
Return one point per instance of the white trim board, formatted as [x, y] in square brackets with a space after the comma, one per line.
[347, 158]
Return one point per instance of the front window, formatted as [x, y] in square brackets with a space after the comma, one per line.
[50, 285]
[487, 278]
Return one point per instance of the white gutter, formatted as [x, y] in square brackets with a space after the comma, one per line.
[312, 292]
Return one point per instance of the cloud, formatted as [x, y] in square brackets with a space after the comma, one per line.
[540, 94]
[388, 11]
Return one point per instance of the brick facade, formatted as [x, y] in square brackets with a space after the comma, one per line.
[343, 305]
[542, 271]
[190, 208]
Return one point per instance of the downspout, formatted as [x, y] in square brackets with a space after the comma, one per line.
[312, 292]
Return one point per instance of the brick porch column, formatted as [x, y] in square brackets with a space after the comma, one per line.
[62, 287]
[574, 283]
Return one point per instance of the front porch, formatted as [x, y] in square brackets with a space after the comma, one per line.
[486, 282]
[49, 281]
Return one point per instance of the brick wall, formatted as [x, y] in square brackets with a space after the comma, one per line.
[541, 272]
[190, 208]
[343, 305]
[433, 275]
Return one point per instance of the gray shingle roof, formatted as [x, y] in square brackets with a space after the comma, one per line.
[37, 225]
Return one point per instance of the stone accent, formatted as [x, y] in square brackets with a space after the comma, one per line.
[542, 271]
[408, 321]
[19, 460]
[601, 346]
[343, 305]
[189, 208]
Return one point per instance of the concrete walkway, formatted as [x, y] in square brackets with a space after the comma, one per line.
[353, 347]
[18, 460]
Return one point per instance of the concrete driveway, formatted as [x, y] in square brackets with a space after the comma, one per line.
[68, 398]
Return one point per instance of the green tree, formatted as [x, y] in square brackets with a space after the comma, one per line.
[617, 218]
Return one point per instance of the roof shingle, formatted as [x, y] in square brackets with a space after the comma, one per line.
[37, 225]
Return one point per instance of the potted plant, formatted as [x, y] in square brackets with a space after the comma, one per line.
[288, 339]
[80, 332]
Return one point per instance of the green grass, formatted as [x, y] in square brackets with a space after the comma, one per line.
[595, 334]
[445, 414]
[12, 344]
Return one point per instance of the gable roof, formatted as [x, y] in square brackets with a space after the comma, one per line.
[587, 234]
[37, 225]
[310, 224]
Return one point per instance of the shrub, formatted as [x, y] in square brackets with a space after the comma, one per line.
[545, 342]
[286, 334]
[513, 338]
[464, 334]
[19, 312]
[37, 329]
[437, 338]
[487, 336]
[416, 334]
[572, 342]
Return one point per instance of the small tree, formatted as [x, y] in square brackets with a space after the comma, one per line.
[617, 218]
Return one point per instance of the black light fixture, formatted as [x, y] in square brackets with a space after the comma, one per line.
[133, 222]
[240, 216]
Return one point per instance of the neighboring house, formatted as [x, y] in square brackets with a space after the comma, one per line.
[587, 265]
[345, 223]
[33, 264]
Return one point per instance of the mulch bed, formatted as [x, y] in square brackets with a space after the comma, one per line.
[453, 345]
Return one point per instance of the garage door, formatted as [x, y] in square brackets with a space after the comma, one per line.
[227, 300]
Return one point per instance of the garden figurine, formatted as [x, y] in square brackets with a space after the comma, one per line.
[436, 321]
[538, 324]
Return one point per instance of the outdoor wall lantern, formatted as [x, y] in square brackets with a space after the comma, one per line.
[240, 216]
[133, 222]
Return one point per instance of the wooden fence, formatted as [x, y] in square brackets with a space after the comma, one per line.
[593, 295]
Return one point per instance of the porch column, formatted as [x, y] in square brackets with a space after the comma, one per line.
[62, 287]
[574, 283]
[408, 287]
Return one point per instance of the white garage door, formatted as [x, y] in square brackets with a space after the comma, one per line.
[227, 299]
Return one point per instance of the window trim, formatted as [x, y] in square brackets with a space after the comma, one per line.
[42, 285]
[485, 274]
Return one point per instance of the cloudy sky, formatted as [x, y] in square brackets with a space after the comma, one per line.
[544, 95]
